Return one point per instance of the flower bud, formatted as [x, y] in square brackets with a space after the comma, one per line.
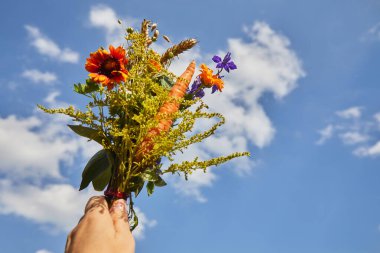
[130, 30]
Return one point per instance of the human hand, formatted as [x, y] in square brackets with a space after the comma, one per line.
[102, 230]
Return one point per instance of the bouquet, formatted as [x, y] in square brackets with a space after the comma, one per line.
[141, 113]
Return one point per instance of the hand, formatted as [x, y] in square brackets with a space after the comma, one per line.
[102, 230]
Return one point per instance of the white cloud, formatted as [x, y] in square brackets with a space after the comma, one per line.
[372, 151]
[32, 148]
[373, 34]
[104, 17]
[144, 223]
[353, 137]
[57, 205]
[377, 117]
[351, 113]
[354, 129]
[43, 251]
[48, 47]
[325, 134]
[37, 76]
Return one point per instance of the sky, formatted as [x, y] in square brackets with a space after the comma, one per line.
[304, 101]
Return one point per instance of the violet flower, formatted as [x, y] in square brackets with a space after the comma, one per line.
[196, 89]
[226, 64]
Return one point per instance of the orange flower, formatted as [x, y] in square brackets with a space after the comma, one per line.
[209, 79]
[108, 68]
[155, 64]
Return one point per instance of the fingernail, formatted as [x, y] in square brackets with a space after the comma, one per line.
[118, 206]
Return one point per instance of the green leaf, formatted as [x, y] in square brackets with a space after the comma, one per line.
[96, 166]
[87, 132]
[149, 176]
[101, 181]
[159, 182]
[150, 188]
[166, 81]
[139, 188]
[88, 87]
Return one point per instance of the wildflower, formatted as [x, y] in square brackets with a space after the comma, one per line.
[156, 65]
[196, 88]
[226, 64]
[108, 68]
[209, 79]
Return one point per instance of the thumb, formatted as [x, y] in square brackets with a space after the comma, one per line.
[119, 216]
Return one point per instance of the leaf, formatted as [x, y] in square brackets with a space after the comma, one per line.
[101, 181]
[88, 87]
[87, 132]
[98, 164]
[149, 176]
[159, 182]
[150, 188]
[139, 188]
[166, 81]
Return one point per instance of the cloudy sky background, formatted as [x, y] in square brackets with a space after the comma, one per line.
[304, 101]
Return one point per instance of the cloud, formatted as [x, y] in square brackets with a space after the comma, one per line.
[47, 47]
[104, 17]
[353, 137]
[57, 205]
[377, 117]
[355, 130]
[32, 148]
[373, 34]
[37, 76]
[372, 151]
[144, 223]
[350, 113]
[43, 251]
[325, 134]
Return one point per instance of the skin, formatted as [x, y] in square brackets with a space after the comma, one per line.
[102, 229]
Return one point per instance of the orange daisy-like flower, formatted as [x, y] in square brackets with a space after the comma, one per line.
[108, 68]
[155, 64]
[209, 79]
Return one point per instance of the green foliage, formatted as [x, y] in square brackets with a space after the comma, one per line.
[97, 170]
[86, 88]
[87, 132]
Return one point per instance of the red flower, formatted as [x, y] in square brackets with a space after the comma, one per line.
[108, 68]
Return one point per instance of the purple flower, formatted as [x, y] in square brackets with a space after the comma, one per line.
[226, 64]
[195, 88]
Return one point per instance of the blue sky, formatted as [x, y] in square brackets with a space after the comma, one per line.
[304, 101]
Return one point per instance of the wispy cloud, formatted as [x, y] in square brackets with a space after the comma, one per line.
[373, 33]
[104, 17]
[47, 47]
[350, 113]
[325, 134]
[37, 76]
[353, 129]
[43, 251]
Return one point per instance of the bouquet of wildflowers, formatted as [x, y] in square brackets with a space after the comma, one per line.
[140, 113]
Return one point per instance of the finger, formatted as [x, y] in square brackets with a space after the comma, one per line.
[97, 213]
[96, 203]
[119, 217]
